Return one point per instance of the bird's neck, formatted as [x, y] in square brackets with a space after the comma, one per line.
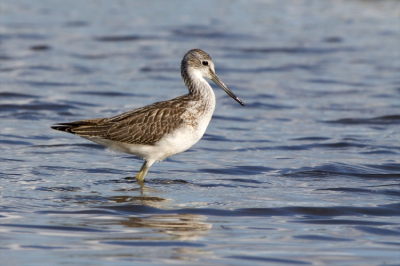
[197, 85]
[201, 90]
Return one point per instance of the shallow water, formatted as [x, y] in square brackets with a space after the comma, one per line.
[307, 173]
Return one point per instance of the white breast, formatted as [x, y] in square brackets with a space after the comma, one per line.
[197, 117]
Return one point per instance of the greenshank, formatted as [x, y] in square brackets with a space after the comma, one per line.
[162, 129]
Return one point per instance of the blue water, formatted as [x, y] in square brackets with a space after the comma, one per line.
[307, 173]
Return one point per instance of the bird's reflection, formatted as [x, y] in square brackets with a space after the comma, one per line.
[181, 226]
[141, 195]
[158, 224]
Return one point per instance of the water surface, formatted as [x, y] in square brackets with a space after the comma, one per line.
[307, 173]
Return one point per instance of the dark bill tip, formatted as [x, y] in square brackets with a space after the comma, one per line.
[222, 85]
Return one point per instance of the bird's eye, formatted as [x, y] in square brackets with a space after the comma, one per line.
[205, 63]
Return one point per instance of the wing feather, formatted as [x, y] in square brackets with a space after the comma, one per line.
[146, 125]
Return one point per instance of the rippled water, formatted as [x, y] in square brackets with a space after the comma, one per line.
[307, 173]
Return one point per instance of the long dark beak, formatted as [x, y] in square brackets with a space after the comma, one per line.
[219, 82]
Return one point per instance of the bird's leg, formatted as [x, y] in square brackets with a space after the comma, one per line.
[143, 171]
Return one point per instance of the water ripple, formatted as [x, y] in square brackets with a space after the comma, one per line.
[269, 260]
[381, 120]
[123, 38]
[296, 50]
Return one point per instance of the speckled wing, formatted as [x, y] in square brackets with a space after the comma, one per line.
[146, 125]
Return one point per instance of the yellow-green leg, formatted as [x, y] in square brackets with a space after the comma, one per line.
[143, 171]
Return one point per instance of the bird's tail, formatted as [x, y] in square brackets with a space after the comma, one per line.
[66, 127]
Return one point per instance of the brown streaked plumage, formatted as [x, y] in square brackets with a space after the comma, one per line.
[162, 129]
[145, 125]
